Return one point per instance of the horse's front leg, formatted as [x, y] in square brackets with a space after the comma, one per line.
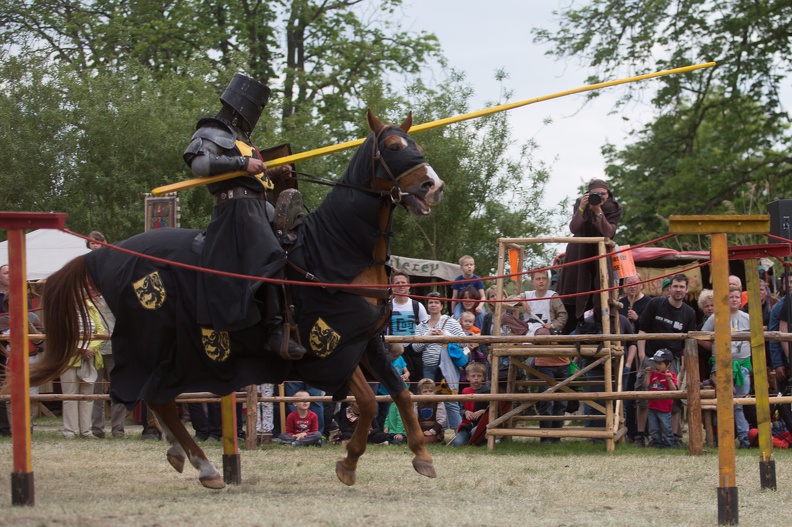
[422, 462]
[364, 396]
[182, 444]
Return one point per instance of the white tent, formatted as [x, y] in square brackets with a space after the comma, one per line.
[47, 251]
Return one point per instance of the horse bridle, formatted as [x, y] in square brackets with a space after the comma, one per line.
[395, 193]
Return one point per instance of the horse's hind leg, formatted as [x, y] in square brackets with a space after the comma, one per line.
[345, 468]
[182, 444]
[422, 462]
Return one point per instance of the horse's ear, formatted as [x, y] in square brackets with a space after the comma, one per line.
[407, 123]
[375, 125]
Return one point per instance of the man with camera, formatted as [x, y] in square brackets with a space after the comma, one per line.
[596, 214]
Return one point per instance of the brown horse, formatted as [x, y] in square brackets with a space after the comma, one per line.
[161, 352]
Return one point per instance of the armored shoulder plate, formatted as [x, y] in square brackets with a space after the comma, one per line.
[217, 132]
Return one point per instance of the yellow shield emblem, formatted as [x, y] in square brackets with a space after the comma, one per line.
[324, 339]
[217, 344]
[150, 291]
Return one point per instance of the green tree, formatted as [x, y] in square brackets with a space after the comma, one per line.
[320, 55]
[491, 192]
[720, 140]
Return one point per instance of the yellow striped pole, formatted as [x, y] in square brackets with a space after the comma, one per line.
[325, 150]
[232, 468]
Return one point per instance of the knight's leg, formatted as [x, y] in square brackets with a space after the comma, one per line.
[422, 462]
[176, 433]
[273, 321]
[345, 468]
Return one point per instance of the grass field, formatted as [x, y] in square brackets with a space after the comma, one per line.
[92, 482]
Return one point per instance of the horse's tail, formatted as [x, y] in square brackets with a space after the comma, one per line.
[63, 305]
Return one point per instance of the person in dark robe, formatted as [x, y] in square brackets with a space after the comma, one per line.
[596, 214]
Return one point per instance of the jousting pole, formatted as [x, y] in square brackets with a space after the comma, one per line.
[325, 150]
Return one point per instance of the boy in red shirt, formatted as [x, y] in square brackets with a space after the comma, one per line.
[660, 379]
[472, 411]
[302, 425]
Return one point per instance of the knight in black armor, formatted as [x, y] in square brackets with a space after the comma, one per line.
[239, 238]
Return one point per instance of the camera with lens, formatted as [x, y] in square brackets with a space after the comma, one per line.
[595, 198]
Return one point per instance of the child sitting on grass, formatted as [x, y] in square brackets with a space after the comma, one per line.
[302, 425]
[394, 426]
[473, 410]
[431, 415]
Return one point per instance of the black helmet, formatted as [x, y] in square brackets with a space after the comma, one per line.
[247, 97]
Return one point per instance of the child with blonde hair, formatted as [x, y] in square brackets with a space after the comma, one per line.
[431, 415]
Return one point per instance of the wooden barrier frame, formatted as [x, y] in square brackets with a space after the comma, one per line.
[500, 427]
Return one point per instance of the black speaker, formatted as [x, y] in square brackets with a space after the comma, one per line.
[780, 212]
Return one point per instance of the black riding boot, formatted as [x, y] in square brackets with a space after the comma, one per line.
[272, 320]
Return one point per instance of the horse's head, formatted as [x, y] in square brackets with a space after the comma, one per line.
[400, 168]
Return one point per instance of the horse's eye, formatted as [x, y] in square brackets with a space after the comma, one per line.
[395, 147]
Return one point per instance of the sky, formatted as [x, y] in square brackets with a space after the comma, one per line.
[480, 40]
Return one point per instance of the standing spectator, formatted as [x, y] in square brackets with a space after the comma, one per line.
[80, 376]
[467, 323]
[395, 351]
[706, 304]
[467, 265]
[664, 314]
[779, 351]
[206, 419]
[592, 324]
[741, 359]
[470, 304]
[406, 314]
[544, 315]
[99, 237]
[264, 416]
[437, 362]
[545, 310]
[633, 304]
[34, 326]
[431, 415]
[660, 380]
[764, 303]
[596, 214]
[302, 425]
[117, 410]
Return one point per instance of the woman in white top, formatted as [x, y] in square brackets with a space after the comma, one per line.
[435, 355]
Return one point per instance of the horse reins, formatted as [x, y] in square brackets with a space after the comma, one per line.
[395, 194]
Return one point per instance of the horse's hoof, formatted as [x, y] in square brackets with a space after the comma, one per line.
[176, 462]
[212, 482]
[424, 468]
[346, 476]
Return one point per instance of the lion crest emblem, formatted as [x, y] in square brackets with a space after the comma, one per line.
[324, 339]
[217, 344]
[150, 292]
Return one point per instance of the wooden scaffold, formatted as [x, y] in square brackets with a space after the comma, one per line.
[608, 355]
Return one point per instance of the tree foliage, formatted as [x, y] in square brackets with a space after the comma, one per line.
[720, 140]
[320, 55]
[101, 98]
[491, 192]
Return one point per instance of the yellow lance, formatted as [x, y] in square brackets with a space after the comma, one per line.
[310, 154]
